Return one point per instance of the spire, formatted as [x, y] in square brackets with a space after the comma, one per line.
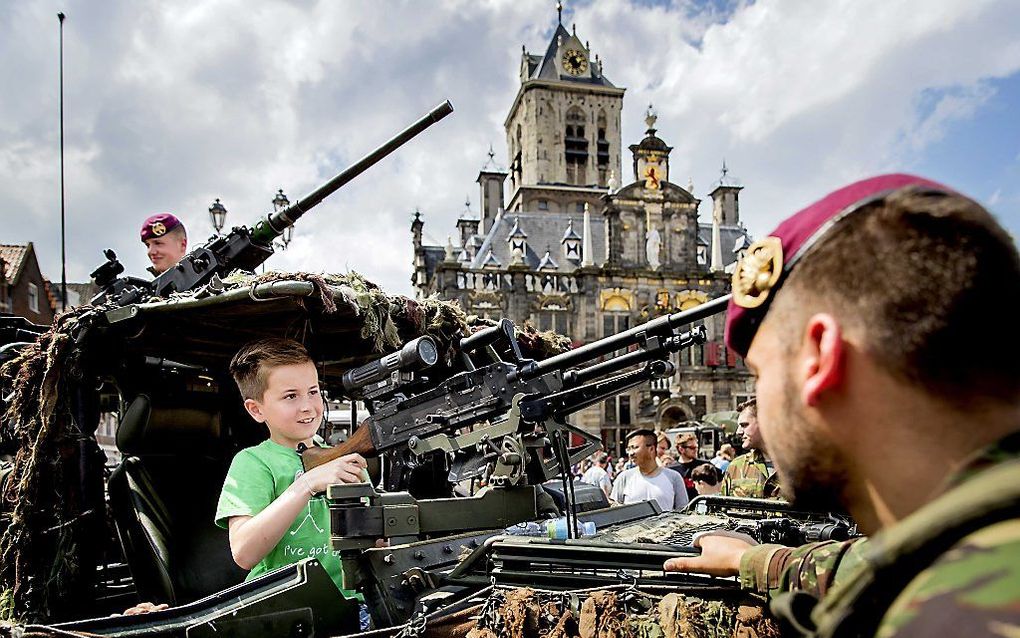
[490, 164]
[586, 248]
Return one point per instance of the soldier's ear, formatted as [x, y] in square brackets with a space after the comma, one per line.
[822, 360]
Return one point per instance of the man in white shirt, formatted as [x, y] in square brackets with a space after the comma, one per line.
[597, 474]
[648, 481]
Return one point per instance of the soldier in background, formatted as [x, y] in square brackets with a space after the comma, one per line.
[858, 316]
[750, 475]
[166, 241]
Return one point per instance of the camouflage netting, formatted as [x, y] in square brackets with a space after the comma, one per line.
[623, 613]
[48, 550]
[51, 520]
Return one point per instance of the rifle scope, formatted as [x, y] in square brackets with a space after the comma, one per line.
[417, 354]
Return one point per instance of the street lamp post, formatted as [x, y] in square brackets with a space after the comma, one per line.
[218, 215]
[279, 203]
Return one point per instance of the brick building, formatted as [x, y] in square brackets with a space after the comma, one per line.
[23, 289]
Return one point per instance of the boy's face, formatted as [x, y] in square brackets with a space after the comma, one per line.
[291, 405]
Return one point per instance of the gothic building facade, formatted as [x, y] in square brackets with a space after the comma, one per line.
[569, 250]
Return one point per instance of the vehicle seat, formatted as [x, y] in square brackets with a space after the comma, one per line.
[163, 496]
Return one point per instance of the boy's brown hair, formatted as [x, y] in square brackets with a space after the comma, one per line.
[252, 364]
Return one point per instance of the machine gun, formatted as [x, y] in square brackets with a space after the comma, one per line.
[242, 248]
[504, 417]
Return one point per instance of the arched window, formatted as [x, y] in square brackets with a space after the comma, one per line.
[575, 145]
[602, 148]
[515, 168]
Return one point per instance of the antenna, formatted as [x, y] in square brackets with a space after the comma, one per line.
[63, 245]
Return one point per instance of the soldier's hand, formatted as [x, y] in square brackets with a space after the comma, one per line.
[720, 555]
[346, 469]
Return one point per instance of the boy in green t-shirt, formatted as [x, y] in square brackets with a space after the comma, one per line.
[275, 512]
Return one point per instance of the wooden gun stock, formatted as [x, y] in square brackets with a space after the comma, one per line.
[360, 442]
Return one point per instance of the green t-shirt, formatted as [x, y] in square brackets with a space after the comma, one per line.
[257, 476]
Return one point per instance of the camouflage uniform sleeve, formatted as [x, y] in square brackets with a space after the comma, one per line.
[974, 589]
[727, 483]
[813, 568]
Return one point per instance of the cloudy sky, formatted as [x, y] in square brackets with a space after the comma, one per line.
[169, 105]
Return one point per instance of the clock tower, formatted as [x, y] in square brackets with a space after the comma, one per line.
[563, 130]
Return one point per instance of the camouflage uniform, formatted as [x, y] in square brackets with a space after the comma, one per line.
[749, 476]
[971, 588]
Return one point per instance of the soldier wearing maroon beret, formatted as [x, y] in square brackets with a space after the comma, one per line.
[166, 241]
[888, 383]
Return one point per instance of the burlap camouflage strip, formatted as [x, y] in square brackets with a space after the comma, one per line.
[623, 613]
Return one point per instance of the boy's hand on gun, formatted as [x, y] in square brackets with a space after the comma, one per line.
[346, 469]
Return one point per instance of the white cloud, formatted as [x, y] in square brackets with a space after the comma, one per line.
[169, 106]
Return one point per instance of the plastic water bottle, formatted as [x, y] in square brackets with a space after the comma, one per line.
[558, 528]
[550, 529]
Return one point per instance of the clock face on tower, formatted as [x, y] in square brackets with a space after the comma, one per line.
[574, 62]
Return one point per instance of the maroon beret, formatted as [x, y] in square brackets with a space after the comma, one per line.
[158, 225]
[767, 262]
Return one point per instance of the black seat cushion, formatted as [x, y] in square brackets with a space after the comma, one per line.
[163, 498]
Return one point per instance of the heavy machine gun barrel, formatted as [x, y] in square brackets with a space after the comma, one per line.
[660, 326]
[273, 226]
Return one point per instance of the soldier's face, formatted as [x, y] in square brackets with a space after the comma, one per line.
[164, 252]
[750, 433]
[811, 468]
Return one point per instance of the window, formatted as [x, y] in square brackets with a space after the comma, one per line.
[579, 207]
[575, 145]
[702, 255]
[602, 149]
[617, 410]
[554, 320]
[543, 204]
[33, 298]
[614, 322]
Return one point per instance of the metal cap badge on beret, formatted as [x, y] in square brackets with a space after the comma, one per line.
[768, 261]
[158, 225]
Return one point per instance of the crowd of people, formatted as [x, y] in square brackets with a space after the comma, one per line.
[651, 470]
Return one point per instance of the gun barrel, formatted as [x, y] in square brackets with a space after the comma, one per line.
[595, 349]
[274, 225]
[624, 361]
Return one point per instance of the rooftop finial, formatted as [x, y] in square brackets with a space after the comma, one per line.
[559, 13]
[724, 169]
[651, 117]
[467, 203]
[491, 163]
[574, 28]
